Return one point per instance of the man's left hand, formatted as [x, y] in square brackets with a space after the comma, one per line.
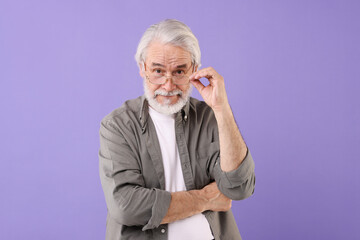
[213, 94]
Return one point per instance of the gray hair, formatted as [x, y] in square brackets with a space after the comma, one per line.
[169, 31]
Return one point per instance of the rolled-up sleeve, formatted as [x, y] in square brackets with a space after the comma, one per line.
[128, 201]
[239, 183]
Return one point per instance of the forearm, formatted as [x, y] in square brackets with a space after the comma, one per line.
[188, 203]
[232, 146]
[184, 204]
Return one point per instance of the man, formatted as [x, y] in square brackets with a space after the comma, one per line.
[170, 164]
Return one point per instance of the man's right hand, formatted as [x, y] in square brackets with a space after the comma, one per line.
[188, 203]
[214, 199]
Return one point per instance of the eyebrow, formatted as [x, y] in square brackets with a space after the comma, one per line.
[182, 66]
[157, 65]
[160, 65]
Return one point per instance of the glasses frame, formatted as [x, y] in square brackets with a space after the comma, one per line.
[166, 77]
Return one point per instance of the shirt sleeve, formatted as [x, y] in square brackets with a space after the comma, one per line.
[239, 183]
[128, 201]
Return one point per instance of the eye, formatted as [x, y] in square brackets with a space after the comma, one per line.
[157, 71]
[179, 72]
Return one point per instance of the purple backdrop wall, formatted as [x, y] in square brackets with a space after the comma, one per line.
[292, 75]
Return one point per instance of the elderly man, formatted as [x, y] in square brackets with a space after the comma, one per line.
[170, 164]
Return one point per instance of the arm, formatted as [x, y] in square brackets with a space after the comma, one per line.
[188, 203]
[128, 201]
[232, 146]
[236, 164]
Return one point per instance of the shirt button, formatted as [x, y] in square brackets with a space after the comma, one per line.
[162, 230]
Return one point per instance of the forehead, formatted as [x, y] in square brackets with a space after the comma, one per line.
[167, 54]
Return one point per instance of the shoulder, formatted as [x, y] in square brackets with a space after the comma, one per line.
[197, 104]
[200, 108]
[129, 111]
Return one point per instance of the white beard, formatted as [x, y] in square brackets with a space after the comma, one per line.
[166, 107]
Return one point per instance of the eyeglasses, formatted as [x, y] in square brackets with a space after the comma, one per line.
[157, 75]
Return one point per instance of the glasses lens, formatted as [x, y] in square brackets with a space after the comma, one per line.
[157, 79]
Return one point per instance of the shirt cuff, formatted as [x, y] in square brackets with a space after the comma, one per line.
[159, 209]
[238, 176]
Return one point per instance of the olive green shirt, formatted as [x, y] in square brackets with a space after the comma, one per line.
[132, 172]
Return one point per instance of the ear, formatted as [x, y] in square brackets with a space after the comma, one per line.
[141, 70]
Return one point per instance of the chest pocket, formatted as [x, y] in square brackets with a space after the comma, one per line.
[206, 157]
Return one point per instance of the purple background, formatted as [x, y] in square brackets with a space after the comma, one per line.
[292, 71]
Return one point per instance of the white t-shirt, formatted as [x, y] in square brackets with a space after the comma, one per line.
[195, 227]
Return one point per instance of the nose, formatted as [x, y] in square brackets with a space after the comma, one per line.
[168, 85]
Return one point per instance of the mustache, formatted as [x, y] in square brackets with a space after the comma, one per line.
[162, 92]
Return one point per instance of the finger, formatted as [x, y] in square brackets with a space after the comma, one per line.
[202, 73]
[198, 85]
[208, 73]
